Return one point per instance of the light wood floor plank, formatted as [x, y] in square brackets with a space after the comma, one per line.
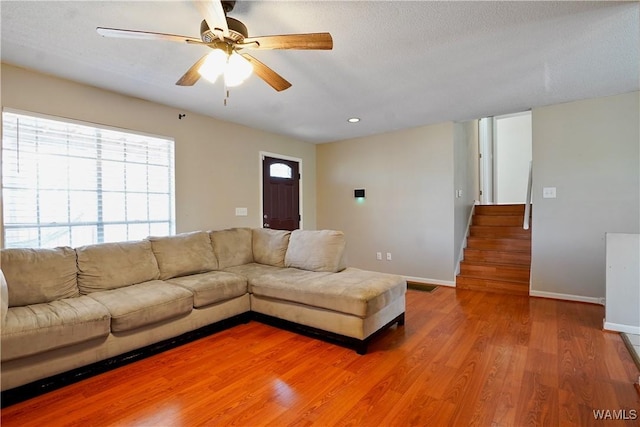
[462, 358]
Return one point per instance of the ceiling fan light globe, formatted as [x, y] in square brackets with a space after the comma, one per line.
[239, 66]
[214, 65]
[238, 70]
[232, 81]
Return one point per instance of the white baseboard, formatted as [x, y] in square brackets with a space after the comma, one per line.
[566, 297]
[616, 327]
[430, 281]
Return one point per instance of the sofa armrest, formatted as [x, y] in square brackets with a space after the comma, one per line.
[4, 297]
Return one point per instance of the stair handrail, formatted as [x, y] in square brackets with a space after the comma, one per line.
[527, 202]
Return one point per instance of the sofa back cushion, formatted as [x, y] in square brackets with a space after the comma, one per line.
[270, 246]
[114, 265]
[322, 250]
[232, 247]
[37, 276]
[184, 254]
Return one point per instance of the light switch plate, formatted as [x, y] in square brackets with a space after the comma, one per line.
[549, 193]
[241, 211]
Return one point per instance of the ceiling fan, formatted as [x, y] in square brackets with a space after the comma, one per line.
[229, 38]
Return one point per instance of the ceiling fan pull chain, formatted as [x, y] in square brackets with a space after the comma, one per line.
[224, 77]
[226, 97]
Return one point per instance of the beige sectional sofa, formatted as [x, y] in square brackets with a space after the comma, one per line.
[64, 308]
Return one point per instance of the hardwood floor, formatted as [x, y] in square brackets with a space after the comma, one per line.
[463, 358]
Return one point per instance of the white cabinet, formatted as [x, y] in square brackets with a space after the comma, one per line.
[622, 305]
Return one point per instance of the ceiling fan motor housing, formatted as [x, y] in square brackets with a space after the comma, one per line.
[237, 31]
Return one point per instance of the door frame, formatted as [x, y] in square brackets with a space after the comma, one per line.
[486, 161]
[262, 155]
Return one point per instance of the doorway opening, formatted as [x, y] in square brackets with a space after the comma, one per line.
[505, 155]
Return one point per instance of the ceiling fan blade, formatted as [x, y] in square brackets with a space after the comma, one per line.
[213, 13]
[144, 35]
[319, 41]
[272, 78]
[192, 75]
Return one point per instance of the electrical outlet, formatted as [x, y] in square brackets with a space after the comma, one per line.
[379, 256]
[388, 256]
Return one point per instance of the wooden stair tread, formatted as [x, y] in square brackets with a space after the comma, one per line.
[506, 239]
[500, 244]
[495, 265]
[495, 231]
[497, 257]
[499, 210]
[498, 220]
[504, 282]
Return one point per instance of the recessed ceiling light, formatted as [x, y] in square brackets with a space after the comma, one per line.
[353, 120]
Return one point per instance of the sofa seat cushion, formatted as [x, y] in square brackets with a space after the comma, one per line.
[40, 327]
[352, 291]
[183, 254]
[106, 266]
[215, 286]
[143, 304]
[252, 271]
[37, 276]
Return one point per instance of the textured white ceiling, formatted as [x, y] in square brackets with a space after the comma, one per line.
[395, 64]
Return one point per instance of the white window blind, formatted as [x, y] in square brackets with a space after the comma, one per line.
[71, 184]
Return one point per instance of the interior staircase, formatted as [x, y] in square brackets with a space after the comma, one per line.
[498, 253]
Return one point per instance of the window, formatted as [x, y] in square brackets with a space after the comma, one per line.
[280, 170]
[72, 184]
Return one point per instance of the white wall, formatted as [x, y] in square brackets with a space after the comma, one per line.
[408, 210]
[465, 180]
[590, 151]
[512, 156]
[217, 163]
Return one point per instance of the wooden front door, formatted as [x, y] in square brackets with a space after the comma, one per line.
[280, 194]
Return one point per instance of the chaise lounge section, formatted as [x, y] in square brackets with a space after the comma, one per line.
[65, 308]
